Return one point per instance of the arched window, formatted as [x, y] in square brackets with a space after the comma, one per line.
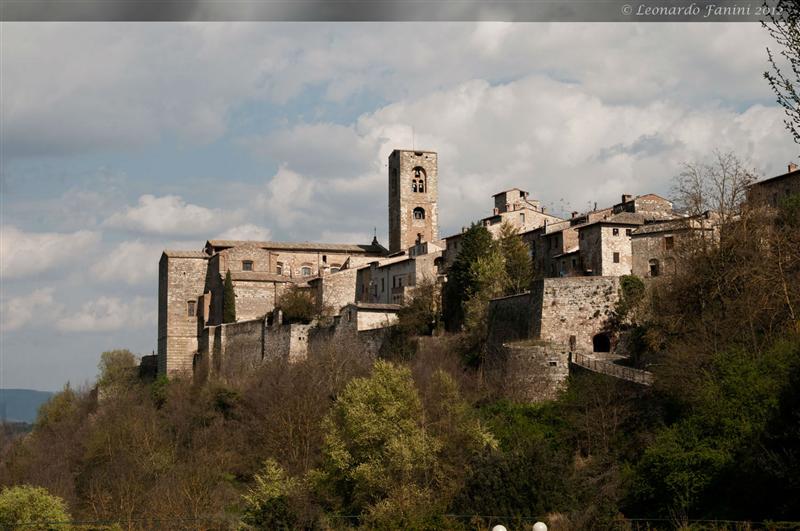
[305, 271]
[654, 268]
[601, 343]
[419, 213]
[418, 182]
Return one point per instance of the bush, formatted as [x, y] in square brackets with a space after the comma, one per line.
[297, 306]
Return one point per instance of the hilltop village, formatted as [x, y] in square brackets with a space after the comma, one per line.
[358, 289]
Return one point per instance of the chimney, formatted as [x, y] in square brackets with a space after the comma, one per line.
[544, 210]
[792, 167]
[574, 215]
[496, 211]
[626, 198]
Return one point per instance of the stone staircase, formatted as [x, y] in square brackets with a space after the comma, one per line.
[606, 365]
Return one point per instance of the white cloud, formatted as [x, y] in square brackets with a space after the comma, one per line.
[286, 196]
[247, 231]
[38, 306]
[24, 254]
[169, 214]
[110, 313]
[133, 262]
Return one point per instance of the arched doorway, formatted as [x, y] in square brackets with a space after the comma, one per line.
[601, 343]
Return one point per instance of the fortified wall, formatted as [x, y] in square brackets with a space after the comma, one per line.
[532, 335]
[236, 348]
[569, 311]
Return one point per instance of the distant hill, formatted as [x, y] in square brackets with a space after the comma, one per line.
[21, 405]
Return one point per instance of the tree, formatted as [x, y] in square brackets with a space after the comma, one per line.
[268, 501]
[297, 305]
[518, 263]
[784, 28]
[118, 370]
[32, 508]
[475, 243]
[228, 300]
[719, 186]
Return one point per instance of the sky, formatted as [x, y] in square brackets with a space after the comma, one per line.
[122, 139]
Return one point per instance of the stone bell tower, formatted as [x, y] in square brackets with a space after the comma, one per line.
[413, 192]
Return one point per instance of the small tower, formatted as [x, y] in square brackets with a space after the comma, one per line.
[413, 192]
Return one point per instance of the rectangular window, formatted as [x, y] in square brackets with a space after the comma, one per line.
[522, 218]
[191, 308]
[383, 284]
[615, 232]
[669, 242]
[628, 232]
[279, 268]
[616, 258]
[247, 265]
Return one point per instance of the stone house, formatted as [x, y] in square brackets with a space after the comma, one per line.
[770, 192]
[392, 281]
[510, 206]
[658, 248]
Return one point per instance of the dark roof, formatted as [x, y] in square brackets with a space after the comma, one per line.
[793, 173]
[185, 254]
[623, 218]
[672, 225]
[376, 306]
[373, 248]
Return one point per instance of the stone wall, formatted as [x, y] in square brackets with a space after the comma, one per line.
[510, 319]
[287, 341]
[332, 292]
[528, 371]
[229, 349]
[576, 306]
[555, 310]
[181, 281]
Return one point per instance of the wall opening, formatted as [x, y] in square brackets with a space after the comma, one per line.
[419, 213]
[654, 268]
[601, 343]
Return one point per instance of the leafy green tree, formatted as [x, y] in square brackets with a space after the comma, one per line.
[518, 263]
[28, 507]
[421, 315]
[375, 442]
[228, 300]
[267, 503]
[475, 243]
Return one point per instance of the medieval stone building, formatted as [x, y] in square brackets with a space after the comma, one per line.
[358, 288]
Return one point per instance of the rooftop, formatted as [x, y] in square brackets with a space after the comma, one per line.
[372, 248]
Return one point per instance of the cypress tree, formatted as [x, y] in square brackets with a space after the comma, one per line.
[228, 300]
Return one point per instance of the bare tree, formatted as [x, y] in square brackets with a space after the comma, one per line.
[719, 186]
[783, 27]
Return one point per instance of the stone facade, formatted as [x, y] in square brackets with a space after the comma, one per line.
[770, 192]
[413, 196]
[181, 281]
[528, 371]
[191, 287]
[571, 311]
[393, 281]
[659, 248]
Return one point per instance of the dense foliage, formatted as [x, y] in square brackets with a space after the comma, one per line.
[228, 300]
[297, 305]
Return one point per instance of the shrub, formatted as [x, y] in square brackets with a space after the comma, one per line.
[33, 507]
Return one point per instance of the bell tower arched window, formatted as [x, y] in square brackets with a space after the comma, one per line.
[418, 181]
[419, 213]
